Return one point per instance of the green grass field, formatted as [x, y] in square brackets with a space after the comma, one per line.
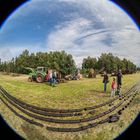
[73, 94]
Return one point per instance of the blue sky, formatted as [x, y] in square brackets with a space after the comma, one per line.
[80, 27]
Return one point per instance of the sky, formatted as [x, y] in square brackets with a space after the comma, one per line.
[80, 27]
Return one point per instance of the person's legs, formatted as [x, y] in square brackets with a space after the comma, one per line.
[51, 81]
[111, 93]
[114, 91]
[105, 87]
[120, 90]
[54, 81]
[117, 85]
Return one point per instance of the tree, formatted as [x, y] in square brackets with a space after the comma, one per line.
[89, 63]
[65, 63]
[110, 63]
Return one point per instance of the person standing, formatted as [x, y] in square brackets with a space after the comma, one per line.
[113, 87]
[50, 77]
[105, 81]
[54, 76]
[119, 81]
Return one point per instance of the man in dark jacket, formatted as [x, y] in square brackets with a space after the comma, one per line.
[105, 81]
[119, 81]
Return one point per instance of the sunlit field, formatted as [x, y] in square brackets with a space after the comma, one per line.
[70, 95]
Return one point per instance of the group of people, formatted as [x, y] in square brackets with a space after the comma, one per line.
[115, 85]
[52, 77]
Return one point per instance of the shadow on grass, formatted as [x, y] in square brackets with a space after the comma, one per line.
[32, 133]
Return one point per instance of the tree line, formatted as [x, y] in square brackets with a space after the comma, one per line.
[110, 63]
[60, 61]
[65, 63]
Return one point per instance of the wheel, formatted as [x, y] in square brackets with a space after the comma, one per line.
[39, 78]
[30, 79]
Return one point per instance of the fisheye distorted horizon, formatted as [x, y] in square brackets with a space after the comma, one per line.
[81, 28]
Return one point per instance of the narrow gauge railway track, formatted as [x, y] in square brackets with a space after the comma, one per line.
[59, 112]
[52, 120]
[111, 118]
[21, 116]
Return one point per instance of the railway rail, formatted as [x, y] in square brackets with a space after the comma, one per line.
[39, 114]
[58, 112]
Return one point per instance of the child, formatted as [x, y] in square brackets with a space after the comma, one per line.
[113, 86]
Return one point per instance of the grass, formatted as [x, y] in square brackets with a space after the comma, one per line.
[73, 94]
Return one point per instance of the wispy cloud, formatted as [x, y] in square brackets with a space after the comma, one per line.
[82, 28]
[110, 36]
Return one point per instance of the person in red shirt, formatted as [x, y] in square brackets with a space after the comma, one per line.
[113, 87]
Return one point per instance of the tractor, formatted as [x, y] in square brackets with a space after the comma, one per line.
[38, 74]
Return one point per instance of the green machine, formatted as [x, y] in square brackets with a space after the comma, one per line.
[38, 74]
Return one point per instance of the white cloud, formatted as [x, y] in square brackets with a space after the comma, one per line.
[7, 52]
[105, 11]
[98, 27]
[66, 34]
[121, 38]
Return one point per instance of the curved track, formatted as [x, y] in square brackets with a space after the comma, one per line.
[61, 112]
[40, 114]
